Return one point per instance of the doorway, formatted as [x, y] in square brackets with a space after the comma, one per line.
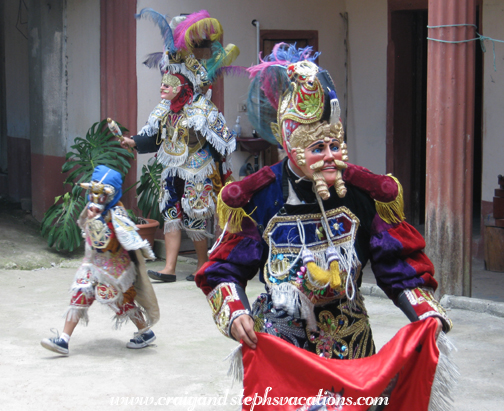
[406, 110]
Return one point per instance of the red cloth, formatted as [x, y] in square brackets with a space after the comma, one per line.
[282, 370]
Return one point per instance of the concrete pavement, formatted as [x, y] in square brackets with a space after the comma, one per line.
[188, 357]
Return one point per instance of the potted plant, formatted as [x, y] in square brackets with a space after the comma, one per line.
[148, 194]
[59, 225]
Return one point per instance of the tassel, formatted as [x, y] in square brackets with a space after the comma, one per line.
[163, 133]
[393, 211]
[321, 276]
[235, 359]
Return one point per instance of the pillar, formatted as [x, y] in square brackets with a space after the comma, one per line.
[450, 132]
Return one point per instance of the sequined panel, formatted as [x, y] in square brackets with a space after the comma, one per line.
[284, 235]
[288, 235]
[106, 293]
[81, 300]
[343, 332]
[199, 195]
[224, 301]
[114, 264]
[275, 322]
[195, 224]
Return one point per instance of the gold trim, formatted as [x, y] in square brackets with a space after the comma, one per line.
[393, 211]
[305, 217]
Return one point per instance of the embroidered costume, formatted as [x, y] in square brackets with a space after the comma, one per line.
[310, 228]
[187, 131]
[113, 270]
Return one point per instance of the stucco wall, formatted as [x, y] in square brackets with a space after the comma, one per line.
[236, 17]
[83, 51]
[366, 127]
[493, 98]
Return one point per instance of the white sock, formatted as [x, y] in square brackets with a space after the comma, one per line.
[65, 337]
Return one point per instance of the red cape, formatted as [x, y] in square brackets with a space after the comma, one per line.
[280, 376]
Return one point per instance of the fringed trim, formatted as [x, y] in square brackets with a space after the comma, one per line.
[171, 160]
[203, 123]
[173, 225]
[235, 359]
[99, 275]
[77, 314]
[126, 232]
[147, 253]
[233, 217]
[163, 199]
[198, 235]
[196, 175]
[392, 212]
[287, 297]
[152, 125]
[135, 313]
[348, 263]
[198, 213]
[446, 376]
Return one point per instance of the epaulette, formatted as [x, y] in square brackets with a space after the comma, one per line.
[385, 190]
[236, 195]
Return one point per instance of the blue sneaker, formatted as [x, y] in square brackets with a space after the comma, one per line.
[141, 340]
[57, 344]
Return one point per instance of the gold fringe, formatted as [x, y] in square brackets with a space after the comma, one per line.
[392, 212]
[232, 216]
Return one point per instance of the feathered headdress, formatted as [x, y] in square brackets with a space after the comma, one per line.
[289, 89]
[181, 36]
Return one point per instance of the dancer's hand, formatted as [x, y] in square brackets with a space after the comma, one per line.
[243, 329]
[127, 142]
[93, 212]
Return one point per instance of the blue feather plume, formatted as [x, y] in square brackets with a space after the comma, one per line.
[153, 60]
[163, 24]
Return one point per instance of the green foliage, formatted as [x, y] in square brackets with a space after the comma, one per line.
[59, 224]
[149, 189]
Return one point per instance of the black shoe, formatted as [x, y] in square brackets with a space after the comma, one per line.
[57, 344]
[190, 277]
[141, 340]
[166, 278]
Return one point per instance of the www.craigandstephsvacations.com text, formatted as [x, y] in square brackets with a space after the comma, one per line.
[249, 402]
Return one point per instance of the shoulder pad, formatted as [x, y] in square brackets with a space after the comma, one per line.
[234, 196]
[239, 193]
[386, 191]
[379, 187]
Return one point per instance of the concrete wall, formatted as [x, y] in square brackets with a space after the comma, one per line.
[493, 98]
[236, 17]
[64, 72]
[64, 86]
[16, 70]
[15, 181]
